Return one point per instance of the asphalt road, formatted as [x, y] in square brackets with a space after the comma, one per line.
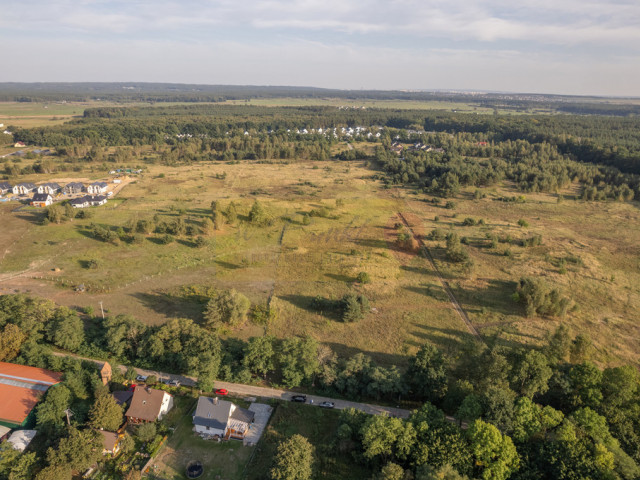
[240, 389]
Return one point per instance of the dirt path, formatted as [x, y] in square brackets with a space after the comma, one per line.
[445, 285]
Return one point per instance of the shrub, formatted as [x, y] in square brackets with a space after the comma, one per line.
[532, 241]
[200, 242]
[227, 307]
[354, 307]
[541, 298]
[363, 277]
[469, 222]
[166, 239]
[437, 234]
[450, 205]
[523, 223]
[455, 252]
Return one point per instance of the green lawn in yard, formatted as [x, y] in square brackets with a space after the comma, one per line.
[319, 426]
[221, 461]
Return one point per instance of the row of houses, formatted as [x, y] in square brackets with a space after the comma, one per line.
[45, 199]
[53, 188]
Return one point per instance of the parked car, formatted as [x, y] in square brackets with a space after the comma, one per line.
[141, 378]
[326, 404]
[222, 391]
[174, 383]
[299, 398]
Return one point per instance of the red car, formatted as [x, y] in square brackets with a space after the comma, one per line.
[222, 391]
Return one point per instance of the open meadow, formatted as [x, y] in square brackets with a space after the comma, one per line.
[301, 257]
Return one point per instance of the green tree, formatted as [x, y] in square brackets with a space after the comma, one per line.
[354, 307]
[259, 355]
[231, 213]
[298, 358]
[259, 216]
[427, 373]
[470, 408]
[531, 374]
[50, 416]
[391, 471]
[106, 413]
[65, 330]
[293, 460]
[54, 472]
[24, 467]
[446, 472]
[8, 458]
[581, 347]
[526, 419]
[495, 455]
[146, 432]
[379, 436]
[363, 277]
[11, 339]
[123, 335]
[558, 345]
[540, 298]
[227, 307]
[78, 451]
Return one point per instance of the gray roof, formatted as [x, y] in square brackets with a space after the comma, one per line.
[215, 413]
[99, 184]
[53, 185]
[26, 185]
[212, 413]
[75, 184]
[243, 415]
[40, 197]
[5, 186]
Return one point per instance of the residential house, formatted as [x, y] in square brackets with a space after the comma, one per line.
[21, 439]
[110, 442]
[82, 202]
[50, 188]
[41, 200]
[19, 144]
[5, 188]
[21, 388]
[97, 187]
[23, 188]
[73, 188]
[148, 405]
[219, 418]
[123, 397]
[97, 200]
[105, 373]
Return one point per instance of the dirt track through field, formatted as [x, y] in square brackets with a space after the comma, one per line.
[445, 285]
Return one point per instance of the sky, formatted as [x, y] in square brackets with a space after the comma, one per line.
[580, 47]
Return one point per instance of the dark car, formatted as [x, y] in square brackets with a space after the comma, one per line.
[299, 398]
[326, 404]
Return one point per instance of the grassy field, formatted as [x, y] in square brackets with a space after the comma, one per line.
[319, 427]
[291, 262]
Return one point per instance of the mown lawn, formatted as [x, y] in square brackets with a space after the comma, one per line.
[221, 461]
[319, 426]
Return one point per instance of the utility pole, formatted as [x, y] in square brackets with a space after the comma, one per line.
[102, 310]
[69, 415]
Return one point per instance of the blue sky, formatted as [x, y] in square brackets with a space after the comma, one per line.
[546, 46]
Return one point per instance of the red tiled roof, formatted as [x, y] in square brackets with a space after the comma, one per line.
[29, 374]
[17, 402]
[21, 387]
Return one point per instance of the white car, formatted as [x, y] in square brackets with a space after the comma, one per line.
[141, 378]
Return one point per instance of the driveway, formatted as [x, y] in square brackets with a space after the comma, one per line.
[263, 412]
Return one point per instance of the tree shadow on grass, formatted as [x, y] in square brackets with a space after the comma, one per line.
[306, 302]
[496, 297]
[373, 243]
[32, 217]
[385, 359]
[228, 265]
[434, 291]
[340, 278]
[171, 305]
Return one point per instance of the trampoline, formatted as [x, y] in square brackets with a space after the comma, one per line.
[194, 469]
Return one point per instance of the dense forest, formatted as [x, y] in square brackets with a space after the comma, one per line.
[537, 152]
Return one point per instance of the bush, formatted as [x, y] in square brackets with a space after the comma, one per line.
[437, 234]
[469, 222]
[450, 205]
[166, 239]
[200, 242]
[354, 307]
[523, 223]
[455, 252]
[541, 298]
[93, 263]
[228, 307]
[363, 277]
[532, 241]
